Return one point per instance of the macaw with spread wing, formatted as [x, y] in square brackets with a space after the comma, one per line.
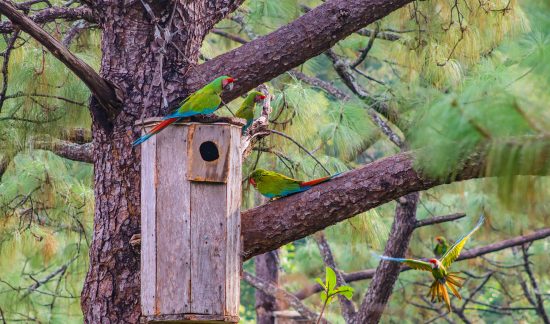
[202, 102]
[439, 269]
[274, 185]
[246, 110]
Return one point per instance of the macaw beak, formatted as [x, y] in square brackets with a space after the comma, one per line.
[228, 83]
[252, 182]
[259, 98]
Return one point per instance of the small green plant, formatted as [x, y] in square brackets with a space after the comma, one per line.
[330, 290]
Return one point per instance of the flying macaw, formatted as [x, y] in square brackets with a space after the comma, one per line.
[439, 269]
[246, 110]
[441, 247]
[203, 101]
[274, 185]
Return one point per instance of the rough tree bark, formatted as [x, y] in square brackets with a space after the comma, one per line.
[131, 59]
[145, 68]
[151, 66]
[267, 269]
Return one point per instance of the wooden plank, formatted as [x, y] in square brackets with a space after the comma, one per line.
[208, 239]
[148, 243]
[173, 222]
[208, 151]
[233, 264]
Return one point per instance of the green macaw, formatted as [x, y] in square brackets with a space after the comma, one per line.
[246, 111]
[203, 101]
[274, 185]
[439, 269]
[441, 246]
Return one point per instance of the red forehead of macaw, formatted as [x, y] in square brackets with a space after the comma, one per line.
[227, 81]
[432, 261]
[260, 97]
[252, 182]
[438, 238]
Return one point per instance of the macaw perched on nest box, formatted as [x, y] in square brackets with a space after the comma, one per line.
[441, 246]
[439, 269]
[246, 111]
[202, 102]
[274, 185]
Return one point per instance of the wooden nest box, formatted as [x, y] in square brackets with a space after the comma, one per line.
[190, 222]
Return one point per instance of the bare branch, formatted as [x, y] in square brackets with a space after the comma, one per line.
[321, 84]
[439, 219]
[227, 35]
[77, 28]
[103, 90]
[536, 289]
[281, 294]
[51, 14]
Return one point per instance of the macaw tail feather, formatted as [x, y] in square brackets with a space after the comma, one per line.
[154, 130]
[438, 290]
[455, 280]
[317, 181]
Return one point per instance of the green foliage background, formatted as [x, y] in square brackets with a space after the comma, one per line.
[463, 74]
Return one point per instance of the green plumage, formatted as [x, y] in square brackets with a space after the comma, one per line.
[272, 184]
[204, 101]
[441, 247]
[246, 111]
[438, 268]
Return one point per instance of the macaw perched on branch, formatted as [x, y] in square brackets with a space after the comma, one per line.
[441, 247]
[246, 110]
[274, 185]
[203, 101]
[439, 269]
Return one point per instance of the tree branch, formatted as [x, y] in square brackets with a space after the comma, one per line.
[387, 272]
[536, 289]
[466, 255]
[104, 91]
[291, 45]
[279, 293]
[285, 220]
[348, 309]
[439, 219]
[67, 150]
[51, 14]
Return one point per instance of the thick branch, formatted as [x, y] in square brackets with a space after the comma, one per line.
[285, 220]
[387, 272]
[293, 44]
[466, 255]
[51, 14]
[68, 150]
[100, 88]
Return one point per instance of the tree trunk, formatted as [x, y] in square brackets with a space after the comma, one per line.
[266, 269]
[131, 60]
[381, 286]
